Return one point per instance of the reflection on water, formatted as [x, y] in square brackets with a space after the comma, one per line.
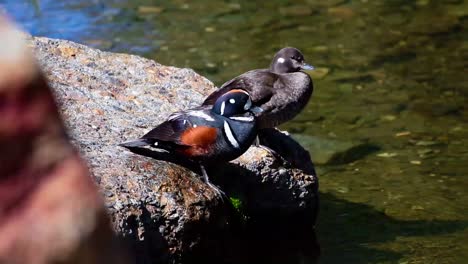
[390, 73]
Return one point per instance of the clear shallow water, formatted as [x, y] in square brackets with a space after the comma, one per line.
[394, 75]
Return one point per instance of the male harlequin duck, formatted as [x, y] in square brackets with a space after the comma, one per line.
[282, 91]
[207, 134]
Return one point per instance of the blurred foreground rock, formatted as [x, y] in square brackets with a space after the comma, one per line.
[163, 210]
[50, 209]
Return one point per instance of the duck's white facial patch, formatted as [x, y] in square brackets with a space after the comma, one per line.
[223, 105]
[242, 118]
[280, 60]
[232, 101]
[231, 139]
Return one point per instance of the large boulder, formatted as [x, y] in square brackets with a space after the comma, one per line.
[164, 210]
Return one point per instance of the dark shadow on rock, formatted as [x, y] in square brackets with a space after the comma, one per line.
[274, 219]
[277, 209]
[348, 228]
[153, 249]
[208, 228]
[270, 225]
[288, 148]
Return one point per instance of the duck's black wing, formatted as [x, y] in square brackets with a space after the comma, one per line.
[258, 83]
[171, 129]
[167, 133]
[177, 123]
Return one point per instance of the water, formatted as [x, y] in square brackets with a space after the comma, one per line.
[391, 74]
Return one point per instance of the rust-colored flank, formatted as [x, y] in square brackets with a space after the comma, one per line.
[200, 139]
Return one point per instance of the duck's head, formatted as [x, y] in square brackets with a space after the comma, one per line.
[234, 102]
[289, 60]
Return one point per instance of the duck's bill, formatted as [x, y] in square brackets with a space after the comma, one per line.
[256, 109]
[307, 67]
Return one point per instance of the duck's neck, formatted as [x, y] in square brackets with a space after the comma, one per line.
[280, 68]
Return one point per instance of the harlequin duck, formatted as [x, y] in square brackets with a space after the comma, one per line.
[282, 90]
[205, 135]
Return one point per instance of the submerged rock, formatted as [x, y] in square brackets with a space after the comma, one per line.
[334, 152]
[319, 73]
[164, 210]
[296, 10]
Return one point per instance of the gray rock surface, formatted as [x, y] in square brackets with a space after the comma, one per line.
[164, 210]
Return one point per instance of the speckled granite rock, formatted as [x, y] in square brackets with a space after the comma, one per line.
[165, 210]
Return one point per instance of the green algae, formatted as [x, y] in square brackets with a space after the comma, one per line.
[238, 206]
[236, 203]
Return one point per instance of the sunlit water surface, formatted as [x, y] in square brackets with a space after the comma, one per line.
[391, 74]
